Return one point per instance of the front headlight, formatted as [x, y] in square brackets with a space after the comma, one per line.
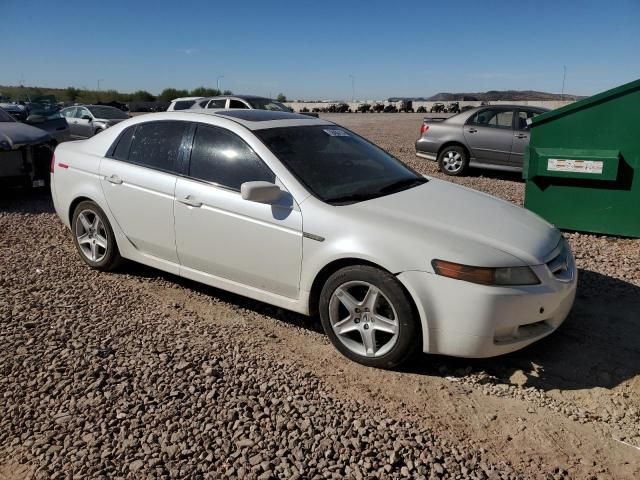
[486, 276]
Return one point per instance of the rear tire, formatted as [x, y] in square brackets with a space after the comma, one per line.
[94, 238]
[453, 160]
[369, 317]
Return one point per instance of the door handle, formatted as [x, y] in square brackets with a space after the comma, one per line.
[116, 180]
[472, 130]
[188, 200]
[521, 135]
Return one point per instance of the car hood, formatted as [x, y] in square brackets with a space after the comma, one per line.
[17, 134]
[462, 224]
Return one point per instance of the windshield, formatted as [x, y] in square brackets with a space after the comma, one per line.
[336, 165]
[267, 104]
[5, 117]
[108, 113]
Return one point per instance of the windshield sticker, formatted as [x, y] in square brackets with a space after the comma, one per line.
[336, 132]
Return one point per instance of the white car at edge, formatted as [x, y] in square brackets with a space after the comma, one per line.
[301, 213]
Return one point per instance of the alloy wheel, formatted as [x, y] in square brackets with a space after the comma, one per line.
[91, 235]
[452, 161]
[363, 319]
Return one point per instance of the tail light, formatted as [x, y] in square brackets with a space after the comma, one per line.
[424, 128]
[53, 162]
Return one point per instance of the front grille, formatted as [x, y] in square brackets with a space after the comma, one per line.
[561, 265]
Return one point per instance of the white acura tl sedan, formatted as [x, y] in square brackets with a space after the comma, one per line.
[301, 213]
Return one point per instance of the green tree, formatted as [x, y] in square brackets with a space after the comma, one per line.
[169, 94]
[205, 92]
[71, 93]
[281, 97]
[227, 92]
[142, 96]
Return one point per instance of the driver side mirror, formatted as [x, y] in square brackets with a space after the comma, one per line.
[86, 117]
[261, 192]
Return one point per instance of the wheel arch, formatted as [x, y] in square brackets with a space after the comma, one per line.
[76, 201]
[335, 265]
[454, 143]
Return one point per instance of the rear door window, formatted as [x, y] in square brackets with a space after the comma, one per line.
[121, 151]
[493, 117]
[221, 157]
[157, 145]
[69, 112]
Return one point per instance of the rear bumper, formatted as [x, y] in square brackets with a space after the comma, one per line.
[426, 148]
[463, 319]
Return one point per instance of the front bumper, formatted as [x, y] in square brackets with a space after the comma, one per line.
[464, 319]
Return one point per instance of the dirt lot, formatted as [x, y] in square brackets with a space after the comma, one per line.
[141, 374]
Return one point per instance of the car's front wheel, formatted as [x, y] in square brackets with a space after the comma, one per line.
[94, 238]
[368, 316]
[453, 160]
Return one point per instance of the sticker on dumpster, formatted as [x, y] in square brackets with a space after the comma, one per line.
[577, 166]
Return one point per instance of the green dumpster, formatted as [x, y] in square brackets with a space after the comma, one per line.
[582, 166]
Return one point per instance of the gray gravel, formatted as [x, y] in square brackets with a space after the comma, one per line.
[98, 381]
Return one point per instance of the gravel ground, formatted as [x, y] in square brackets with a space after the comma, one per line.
[139, 374]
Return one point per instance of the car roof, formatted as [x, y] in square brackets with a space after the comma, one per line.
[182, 99]
[462, 117]
[241, 97]
[255, 119]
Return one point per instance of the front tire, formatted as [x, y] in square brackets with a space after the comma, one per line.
[94, 238]
[453, 160]
[368, 316]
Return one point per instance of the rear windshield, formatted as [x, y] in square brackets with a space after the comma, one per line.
[183, 104]
[109, 113]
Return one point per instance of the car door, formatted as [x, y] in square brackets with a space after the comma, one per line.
[70, 114]
[83, 127]
[489, 134]
[521, 135]
[138, 179]
[221, 235]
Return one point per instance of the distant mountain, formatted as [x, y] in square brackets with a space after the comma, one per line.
[493, 95]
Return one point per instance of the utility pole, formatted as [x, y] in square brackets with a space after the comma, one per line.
[218, 82]
[564, 76]
[353, 88]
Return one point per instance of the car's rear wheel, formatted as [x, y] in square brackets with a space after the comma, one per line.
[453, 160]
[94, 238]
[368, 316]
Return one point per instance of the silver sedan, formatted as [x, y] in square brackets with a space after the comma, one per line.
[492, 137]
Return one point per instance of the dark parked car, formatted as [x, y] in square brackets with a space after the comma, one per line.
[25, 153]
[490, 137]
[437, 107]
[87, 120]
[44, 114]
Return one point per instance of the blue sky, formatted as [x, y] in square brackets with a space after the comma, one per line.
[308, 49]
